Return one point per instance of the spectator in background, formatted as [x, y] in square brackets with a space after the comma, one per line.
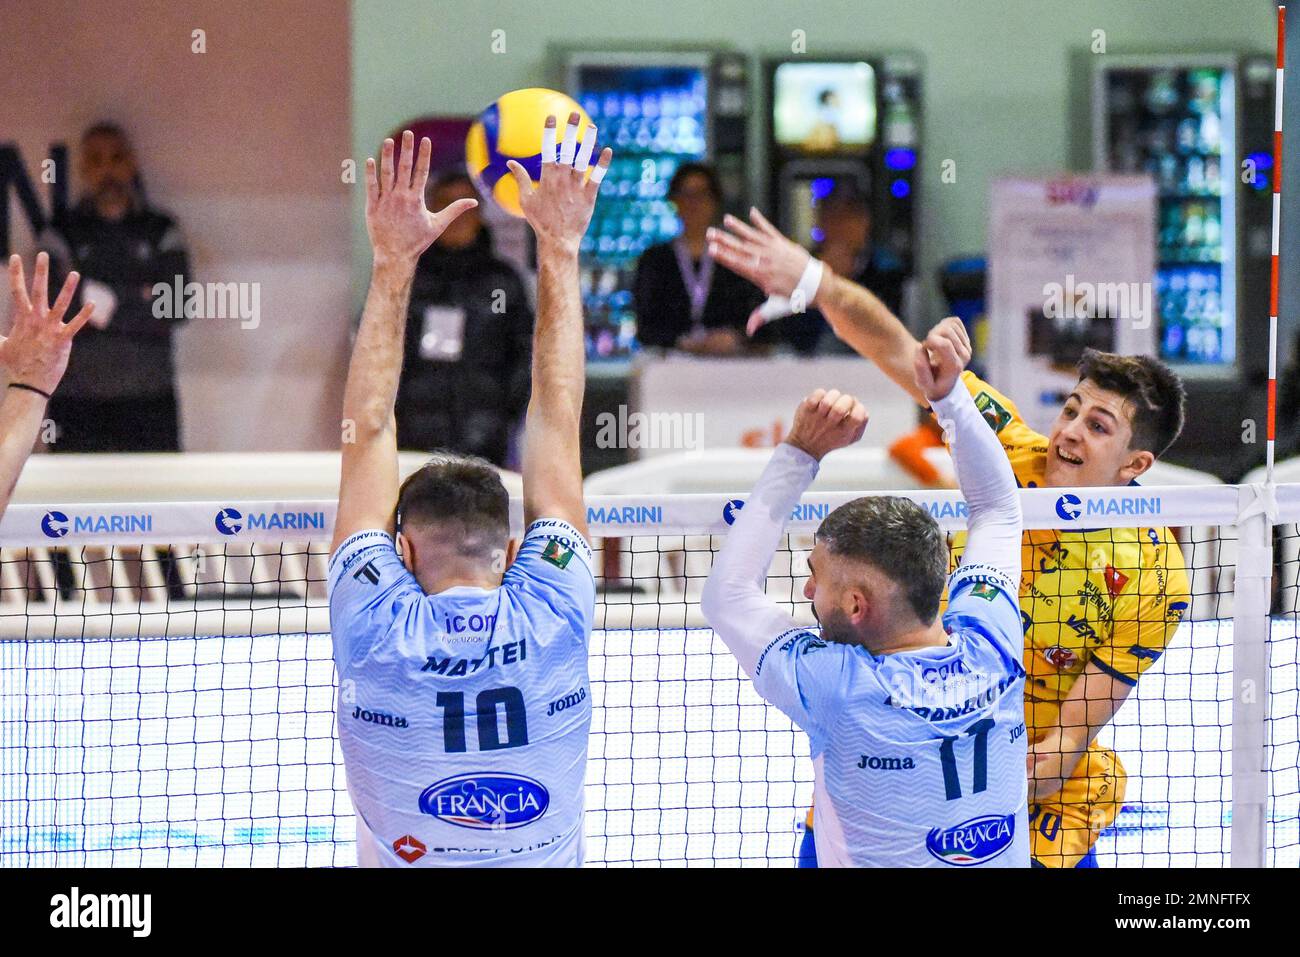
[465, 378]
[844, 217]
[119, 392]
[683, 300]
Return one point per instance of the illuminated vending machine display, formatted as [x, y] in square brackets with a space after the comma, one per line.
[851, 125]
[1189, 123]
[657, 111]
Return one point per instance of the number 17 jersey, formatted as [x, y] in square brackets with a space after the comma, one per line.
[919, 756]
[463, 716]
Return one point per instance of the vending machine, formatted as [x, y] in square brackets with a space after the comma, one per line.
[1201, 127]
[856, 122]
[657, 111]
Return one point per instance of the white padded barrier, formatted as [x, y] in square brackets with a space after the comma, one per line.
[194, 477]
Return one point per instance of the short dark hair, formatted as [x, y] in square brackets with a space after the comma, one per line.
[898, 538]
[1155, 391]
[459, 492]
[695, 169]
[105, 128]
[845, 196]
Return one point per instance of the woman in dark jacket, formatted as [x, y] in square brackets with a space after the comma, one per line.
[683, 300]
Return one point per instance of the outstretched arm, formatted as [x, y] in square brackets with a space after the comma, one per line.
[400, 229]
[735, 601]
[983, 470]
[34, 358]
[780, 267]
[558, 209]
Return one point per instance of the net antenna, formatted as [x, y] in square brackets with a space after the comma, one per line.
[1277, 233]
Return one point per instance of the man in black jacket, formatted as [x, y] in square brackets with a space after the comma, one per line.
[465, 376]
[119, 392]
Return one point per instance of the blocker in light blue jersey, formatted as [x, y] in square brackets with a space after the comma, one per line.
[463, 716]
[919, 756]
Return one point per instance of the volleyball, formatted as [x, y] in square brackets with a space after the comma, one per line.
[511, 129]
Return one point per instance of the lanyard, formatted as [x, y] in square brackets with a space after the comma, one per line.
[697, 282]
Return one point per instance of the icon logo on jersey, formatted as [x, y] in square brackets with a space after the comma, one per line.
[1154, 536]
[367, 572]
[229, 521]
[1062, 659]
[1067, 506]
[54, 524]
[994, 414]
[483, 802]
[557, 553]
[1175, 611]
[1115, 581]
[409, 848]
[730, 509]
[972, 842]
[985, 590]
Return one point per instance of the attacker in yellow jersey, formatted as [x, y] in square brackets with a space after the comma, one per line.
[1098, 606]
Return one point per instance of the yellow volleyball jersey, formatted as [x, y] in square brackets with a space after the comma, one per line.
[1113, 596]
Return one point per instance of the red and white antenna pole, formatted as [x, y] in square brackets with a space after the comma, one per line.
[1277, 233]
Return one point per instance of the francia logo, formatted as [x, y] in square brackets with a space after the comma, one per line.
[484, 802]
[54, 524]
[1067, 506]
[976, 841]
[730, 509]
[229, 521]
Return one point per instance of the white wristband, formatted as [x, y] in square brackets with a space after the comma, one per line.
[806, 290]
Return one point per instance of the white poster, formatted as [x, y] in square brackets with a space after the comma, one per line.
[1071, 266]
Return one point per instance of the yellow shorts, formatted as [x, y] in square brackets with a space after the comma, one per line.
[1063, 828]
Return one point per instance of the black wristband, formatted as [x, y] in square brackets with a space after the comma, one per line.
[29, 388]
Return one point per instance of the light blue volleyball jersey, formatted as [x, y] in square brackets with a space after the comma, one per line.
[463, 716]
[919, 756]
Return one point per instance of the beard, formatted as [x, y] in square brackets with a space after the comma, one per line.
[835, 627]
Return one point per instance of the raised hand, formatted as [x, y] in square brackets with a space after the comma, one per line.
[941, 358]
[767, 259]
[560, 207]
[36, 352]
[826, 421]
[401, 228]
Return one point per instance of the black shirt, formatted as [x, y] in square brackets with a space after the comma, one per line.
[663, 305]
[467, 404]
[132, 356]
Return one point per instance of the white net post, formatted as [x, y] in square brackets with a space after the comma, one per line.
[1250, 700]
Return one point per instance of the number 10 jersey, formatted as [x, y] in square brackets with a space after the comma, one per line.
[463, 716]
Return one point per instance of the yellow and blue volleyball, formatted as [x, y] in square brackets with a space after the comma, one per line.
[511, 129]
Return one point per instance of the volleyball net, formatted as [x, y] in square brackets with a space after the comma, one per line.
[167, 693]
